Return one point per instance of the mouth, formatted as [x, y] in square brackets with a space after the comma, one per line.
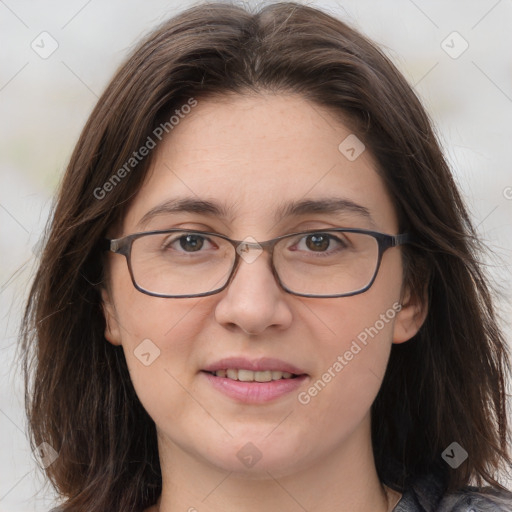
[254, 381]
[243, 375]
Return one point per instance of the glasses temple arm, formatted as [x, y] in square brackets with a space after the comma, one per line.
[403, 238]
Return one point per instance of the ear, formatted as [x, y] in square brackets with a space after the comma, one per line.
[112, 330]
[411, 317]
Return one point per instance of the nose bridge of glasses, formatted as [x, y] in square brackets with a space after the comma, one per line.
[250, 249]
[245, 246]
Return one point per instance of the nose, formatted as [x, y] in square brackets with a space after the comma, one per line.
[253, 300]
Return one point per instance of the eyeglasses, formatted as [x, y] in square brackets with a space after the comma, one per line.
[178, 263]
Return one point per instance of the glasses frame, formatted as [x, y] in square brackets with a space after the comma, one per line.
[385, 241]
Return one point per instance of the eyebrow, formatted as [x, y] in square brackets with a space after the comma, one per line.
[328, 205]
[186, 205]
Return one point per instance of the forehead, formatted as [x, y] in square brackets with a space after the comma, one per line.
[253, 156]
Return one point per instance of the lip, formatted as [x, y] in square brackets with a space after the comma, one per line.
[254, 392]
[256, 365]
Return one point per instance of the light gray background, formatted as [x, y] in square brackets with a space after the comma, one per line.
[45, 102]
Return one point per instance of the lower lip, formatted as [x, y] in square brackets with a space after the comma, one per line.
[254, 392]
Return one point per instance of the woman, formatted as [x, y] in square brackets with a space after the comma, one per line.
[260, 288]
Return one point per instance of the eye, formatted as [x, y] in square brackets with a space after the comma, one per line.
[320, 243]
[190, 242]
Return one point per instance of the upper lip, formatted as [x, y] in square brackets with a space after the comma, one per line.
[256, 365]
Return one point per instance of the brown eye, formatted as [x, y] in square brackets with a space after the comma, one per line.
[185, 243]
[318, 242]
[191, 243]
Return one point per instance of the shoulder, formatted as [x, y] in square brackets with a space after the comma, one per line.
[474, 500]
[427, 495]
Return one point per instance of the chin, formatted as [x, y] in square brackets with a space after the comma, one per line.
[257, 459]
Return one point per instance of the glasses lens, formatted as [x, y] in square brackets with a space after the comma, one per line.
[326, 262]
[181, 263]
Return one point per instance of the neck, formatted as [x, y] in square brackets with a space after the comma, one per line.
[343, 480]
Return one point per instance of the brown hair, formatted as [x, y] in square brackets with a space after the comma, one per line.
[446, 384]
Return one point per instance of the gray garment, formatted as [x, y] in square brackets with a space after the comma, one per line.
[426, 495]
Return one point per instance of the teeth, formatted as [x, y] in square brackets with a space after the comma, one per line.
[250, 376]
[247, 375]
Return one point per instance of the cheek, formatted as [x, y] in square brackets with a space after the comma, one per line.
[340, 395]
[159, 339]
[167, 323]
[160, 365]
[355, 351]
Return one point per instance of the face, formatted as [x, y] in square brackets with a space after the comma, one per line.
[252, 155]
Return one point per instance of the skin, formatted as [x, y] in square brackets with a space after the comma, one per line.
[254, 152]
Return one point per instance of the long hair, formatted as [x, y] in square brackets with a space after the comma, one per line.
[446, 384]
